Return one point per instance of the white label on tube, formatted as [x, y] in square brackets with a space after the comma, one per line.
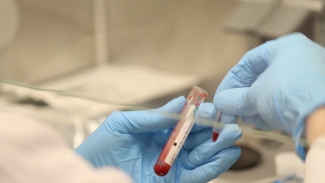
[180, 139]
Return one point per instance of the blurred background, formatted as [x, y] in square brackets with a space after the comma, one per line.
[143, 53]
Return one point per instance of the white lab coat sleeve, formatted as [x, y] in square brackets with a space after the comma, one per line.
[315, 162]
[31, 152]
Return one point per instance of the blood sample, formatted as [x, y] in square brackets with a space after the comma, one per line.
[180, 132]
[215, 136]
[216, 130]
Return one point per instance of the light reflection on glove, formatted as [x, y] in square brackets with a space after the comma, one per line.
[133, 140]
[276, 85]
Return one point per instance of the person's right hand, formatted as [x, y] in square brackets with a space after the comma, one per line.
[276, 85]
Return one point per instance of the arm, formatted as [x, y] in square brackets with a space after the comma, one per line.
[315, 131]
[315, 125]
[32, 152]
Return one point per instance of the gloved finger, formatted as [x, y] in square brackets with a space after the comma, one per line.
[214, 167]
[255, 120]
[198, 127]
[207, 149]
[161, 137]
[206, 111]
[197, 138]
[235, 101]
[258, 122]
[229, 119]
[133, 122]
[200, 133]
[247, 70]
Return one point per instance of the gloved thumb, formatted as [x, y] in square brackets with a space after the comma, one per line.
[235, 101]
[134, 122]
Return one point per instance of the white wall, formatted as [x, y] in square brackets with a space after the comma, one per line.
[320, 29]
[53, 38]
[182, 35]
[57, 37]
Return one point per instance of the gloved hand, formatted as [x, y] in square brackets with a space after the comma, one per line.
[276, 85]
[133, 140]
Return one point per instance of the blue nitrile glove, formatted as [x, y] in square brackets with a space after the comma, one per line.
[133, 140]
[276, 85]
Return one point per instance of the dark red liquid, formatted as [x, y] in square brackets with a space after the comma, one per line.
[161, 169]
[215, 136]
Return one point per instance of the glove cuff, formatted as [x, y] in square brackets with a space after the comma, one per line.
[301, 150]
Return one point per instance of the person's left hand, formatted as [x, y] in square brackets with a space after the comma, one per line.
[133, 140]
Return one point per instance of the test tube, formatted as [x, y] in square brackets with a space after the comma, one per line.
[216, 130]
[180, 132]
